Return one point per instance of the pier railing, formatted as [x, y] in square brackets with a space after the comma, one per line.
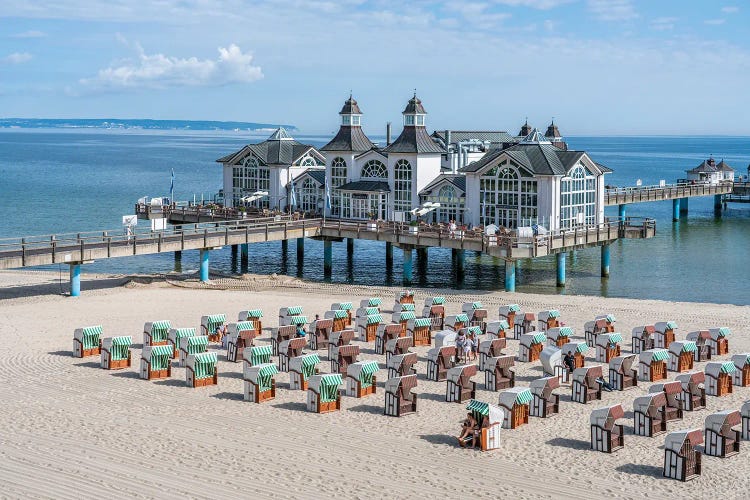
[637, 194]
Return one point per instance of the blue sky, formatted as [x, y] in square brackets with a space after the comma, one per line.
[597, 66]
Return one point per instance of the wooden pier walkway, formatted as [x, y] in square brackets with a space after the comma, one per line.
[641, 194]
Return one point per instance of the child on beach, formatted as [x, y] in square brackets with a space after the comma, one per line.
[474, 341]
[462, 345]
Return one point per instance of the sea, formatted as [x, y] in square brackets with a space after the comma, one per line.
[84, 177]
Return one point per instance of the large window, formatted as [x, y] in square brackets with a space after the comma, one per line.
[308, 161]
[308, 194]
[402, 186]
[374, 169]
[506, 198]
[338, 178]
[249, 178]
[577, 198]
[451, 205]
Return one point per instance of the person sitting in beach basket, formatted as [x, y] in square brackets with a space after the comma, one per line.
[498, 374]
[156, 362]
[213, 326]
[320, 331]
[515, 403]
[584, 387]
[191, 345]
[682, 460]
[548, 319]
[289, 349]
[301, 368]
[721, 440]
[559, 336]
[175, 336]
[459, 386]
[664, 334]
[490, 349]
[576, 350]
[623, 373]
[399, 345]
[239, 336]
[419, 330]
[719, 342]
[434, 309]
[607, 346]
[652, 365]
[489, 421]
[337, 339]
[508, 313]
[693, 396]
[649, 417]
[255, 316]
[642, 338]
[672, 392]
[323, 395]
[201, 369]
[115, 353]
[719, 378]
[701, 339]
[342, 357]
[386, 333]
[469, 428]
[259, 382]
[402, 364]
[340, 319]
[545, 403]
[602, 324]
[287, 313]
[681, 355]
[741, 375]
[281, 334]
[400, 400]
[86, 341]
[606, 434]
[745, 412]
[499, 330]
[155, 332]
[360, 379]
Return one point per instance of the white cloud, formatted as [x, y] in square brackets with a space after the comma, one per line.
[158, 71]
[613, 10]
[16, 58]
[30, 34]
[714, 22]
[730, 9]
[663, 23]
[534, 4]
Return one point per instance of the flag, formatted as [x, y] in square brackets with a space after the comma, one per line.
[328, 196]
[293, 197]
[171, 189]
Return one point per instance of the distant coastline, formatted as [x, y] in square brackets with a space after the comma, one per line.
[137, 124]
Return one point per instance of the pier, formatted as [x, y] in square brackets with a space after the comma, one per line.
[80, 248]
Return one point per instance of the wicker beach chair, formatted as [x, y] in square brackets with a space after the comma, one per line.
[439, 361]
[368, 327]
[491, 419]
[601, 324]
[681, 356]
[342, 357]
[287, 313]
[559, 336]
[584, 387]
[301, 369]
[719, 376]
[400, 399]
[672, 393]
[579, 350]
[642, 338]
[405, 297]
[323, 395]
[531, 345]
[545, 403]
[281, 334]
[400, 345]
[419, 329]
[721, 440]
[741, 375]
[259, 382]
[490, 349]
[319, 332]
[115, 353]
[87, 341]
[253, 315]
[256, 355]
[344, 306]
[156, 362]
[434, 309]
[386, 333]
[405, 307]
[693, 396]
[209, 323]
[403, 318]
[701, 339]
[459, 386]
[548, 319]
[607, 346]
[649, 417]
[455, 322]
[340, 319]
[337, 339]
[623, 372]
[360, 379]
[401, 364]
[499, 330]
[682, 461]
[498, 374]
[155, 332]
[371, 302]
[289, 349]
[476, 313]
[664, 334]
[552, 363]
[508, 313]
[239, 336]
[201, 369]
[525, 324]
[606, 434]
[175, 336]
[515, 402]
[191, 345]
[652, 365]
[719, 341]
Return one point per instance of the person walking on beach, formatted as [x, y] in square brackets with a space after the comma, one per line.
[474, 340]
[462, 345]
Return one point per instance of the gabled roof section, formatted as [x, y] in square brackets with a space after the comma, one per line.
[374, 151]
[349, 139]
[456, 180]
[414, 140]
[279, 149]
[724, 167]
[707, 166]
[538, 158]
[366, 186]
[317, 174]
[280, 134]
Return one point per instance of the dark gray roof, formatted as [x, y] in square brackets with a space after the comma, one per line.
[538, 159]
[605, 169]
[369, 186]
[458, 180]
[279, 149]
[552, 131]
[349, 138]
[350, 107]
[414, 106]
[414, 139]
[318, 175]
[705, 166]
[480, 135]
[724, 167]
[525, 129]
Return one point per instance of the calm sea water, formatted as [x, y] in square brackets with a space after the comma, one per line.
[54, 181]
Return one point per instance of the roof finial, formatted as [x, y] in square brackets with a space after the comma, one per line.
[553, 121]
[527, 121]
[415, 93]
[350, 94]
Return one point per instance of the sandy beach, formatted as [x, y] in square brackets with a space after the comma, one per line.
[70, 429]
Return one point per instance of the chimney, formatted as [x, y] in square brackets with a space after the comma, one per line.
[447, 139]
[388, 134]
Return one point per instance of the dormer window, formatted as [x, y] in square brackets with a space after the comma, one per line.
[409, 120]
[355, 120]
[420, 120]
[346, 119]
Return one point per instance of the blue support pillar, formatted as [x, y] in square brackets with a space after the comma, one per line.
[75, 280]
[510, 275]
[408, 264]
[327, 257]
[204, 265]
[684, 205]
[605, 261]
[675, 210]
[717, 202]
[621, 210]
[561, 269]
[300, 249]
[389, 254]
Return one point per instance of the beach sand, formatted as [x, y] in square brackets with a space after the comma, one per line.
[70, 429]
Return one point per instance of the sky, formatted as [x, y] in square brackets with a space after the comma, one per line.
[598, 67]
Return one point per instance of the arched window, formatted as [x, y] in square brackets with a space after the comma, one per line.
[374, 169]
[507, 199]
[308, 161]
[402, 186]
[249, 178]
[338, 178]
[308, 195]
[577, 198]
[446, 194]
